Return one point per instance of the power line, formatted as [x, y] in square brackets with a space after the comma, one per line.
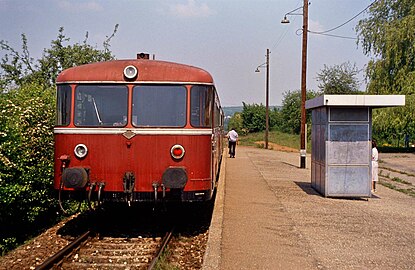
[282, 36]
[330, 35]
[337, 27]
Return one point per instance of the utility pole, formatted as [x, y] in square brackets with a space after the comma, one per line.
[303, 150]
[267, 103]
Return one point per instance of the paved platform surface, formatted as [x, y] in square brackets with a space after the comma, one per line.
[267, 216]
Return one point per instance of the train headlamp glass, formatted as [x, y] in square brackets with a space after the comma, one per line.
[177, 151]
[130, 72]
[80, 150]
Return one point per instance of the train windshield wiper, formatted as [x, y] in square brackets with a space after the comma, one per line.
[96, 111]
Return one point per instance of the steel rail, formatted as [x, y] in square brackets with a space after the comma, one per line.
[164, 243]
[51, 261]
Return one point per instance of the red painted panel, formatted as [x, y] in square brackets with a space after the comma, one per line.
[148, 70]
[109, 157]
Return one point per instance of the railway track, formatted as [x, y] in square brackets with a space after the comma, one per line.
[92, 252]
[396, 171]
[397, 180]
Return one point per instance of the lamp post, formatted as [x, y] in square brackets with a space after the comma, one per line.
[266, 97]
[303, 150]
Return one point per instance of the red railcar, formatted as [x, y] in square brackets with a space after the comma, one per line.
[136, 131]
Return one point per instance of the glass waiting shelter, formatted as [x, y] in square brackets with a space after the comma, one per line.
[341, 140]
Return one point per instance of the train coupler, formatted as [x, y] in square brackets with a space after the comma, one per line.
[155, 188]
[101, 186]
[94, 201]
[128, 184]
[91, 189]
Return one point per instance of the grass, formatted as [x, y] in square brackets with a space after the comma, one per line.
[399, 180]
[277, 137]
[395, 179]
[163, 262]
[410, 192]
[398, 171]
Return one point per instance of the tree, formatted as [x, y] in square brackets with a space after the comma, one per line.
[19, 68]
[291, 111]
[388, 35]
[275, 119]
[391, 124]
[253, 117]
[26, 161]
[236, 122]
[339, 79]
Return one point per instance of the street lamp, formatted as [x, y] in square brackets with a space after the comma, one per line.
[266, 64]
[303, 150]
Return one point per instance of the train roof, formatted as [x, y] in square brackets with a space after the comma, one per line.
[148, 71]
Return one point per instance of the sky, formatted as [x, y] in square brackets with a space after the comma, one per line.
[228, 38]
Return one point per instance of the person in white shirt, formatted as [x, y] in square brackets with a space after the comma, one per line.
[233, 139]
[375, 165]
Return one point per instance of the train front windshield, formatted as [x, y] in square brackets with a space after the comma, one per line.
[159, 106]
[97, 105]
[152, 105]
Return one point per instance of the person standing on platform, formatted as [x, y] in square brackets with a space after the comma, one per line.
[375, 165]
[232, 139]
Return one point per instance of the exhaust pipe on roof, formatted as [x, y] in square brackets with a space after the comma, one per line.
[143, 56]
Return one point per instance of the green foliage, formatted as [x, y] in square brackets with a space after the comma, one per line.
[277, 137]
[253, 117]
[390, 149]
[391, 124]
[26, 159]
[275, 119]
[27, 102]
[388, 34]
[339, 79]
[20, 68]
[236, 123]
[287, 119]
[291, 111]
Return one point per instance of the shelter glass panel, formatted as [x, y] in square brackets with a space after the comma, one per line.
[349, 114]
[349, 133]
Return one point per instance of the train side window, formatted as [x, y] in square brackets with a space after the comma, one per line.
[63, 105]
[101, 105]
[201, 106]
[159, 106]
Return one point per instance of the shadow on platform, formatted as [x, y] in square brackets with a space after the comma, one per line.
[306, 187]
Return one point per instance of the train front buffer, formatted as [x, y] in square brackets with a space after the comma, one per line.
[140, 169]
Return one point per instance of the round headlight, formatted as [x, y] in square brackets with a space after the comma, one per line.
[130, 72]
[80, 150]
[177, 151]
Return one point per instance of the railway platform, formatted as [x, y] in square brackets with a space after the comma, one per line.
[267, 216]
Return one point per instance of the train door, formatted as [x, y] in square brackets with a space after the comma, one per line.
[216, 137]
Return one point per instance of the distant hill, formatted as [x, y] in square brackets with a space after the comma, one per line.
[230, 111]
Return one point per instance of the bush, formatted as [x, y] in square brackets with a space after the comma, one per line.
[253, 117]
[291, 111]
[236, 123]
[390, 149]
[26, 161]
